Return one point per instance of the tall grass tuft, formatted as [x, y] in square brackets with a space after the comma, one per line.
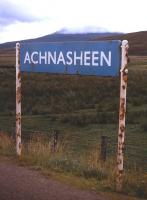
[38, 150]
[7, 144]
[135, 183]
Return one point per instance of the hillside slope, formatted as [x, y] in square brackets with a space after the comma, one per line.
[137, 41]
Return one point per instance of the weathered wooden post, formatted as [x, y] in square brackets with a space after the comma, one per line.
[18, 101]
[122, 115]
[54, 142]
[103, 153]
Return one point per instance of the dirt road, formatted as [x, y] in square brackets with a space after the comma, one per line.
[21, 183]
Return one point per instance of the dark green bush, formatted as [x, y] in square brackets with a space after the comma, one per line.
[143, 125]
[107, 117]
[79, 119]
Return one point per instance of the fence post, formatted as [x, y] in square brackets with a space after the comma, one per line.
[13, 132]
[54, 142]
[18, 101]
[103, 153]
[122, 115]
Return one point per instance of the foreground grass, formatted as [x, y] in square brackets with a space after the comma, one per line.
[86, 171]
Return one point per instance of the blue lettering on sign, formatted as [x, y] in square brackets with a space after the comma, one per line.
[100, 58]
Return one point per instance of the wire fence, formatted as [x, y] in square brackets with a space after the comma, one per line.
[134, 154]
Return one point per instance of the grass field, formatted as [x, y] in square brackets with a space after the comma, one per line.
[82, 109]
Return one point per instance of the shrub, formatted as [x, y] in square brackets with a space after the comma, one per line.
[79, 119]
[144, 125]
[107, 117]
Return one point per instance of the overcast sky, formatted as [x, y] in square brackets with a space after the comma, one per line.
[23, 19]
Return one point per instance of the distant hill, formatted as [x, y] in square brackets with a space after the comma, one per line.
[62, 37]
[137, 40]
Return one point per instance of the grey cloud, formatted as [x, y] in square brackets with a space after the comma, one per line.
[84, 29]
[10, 13]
